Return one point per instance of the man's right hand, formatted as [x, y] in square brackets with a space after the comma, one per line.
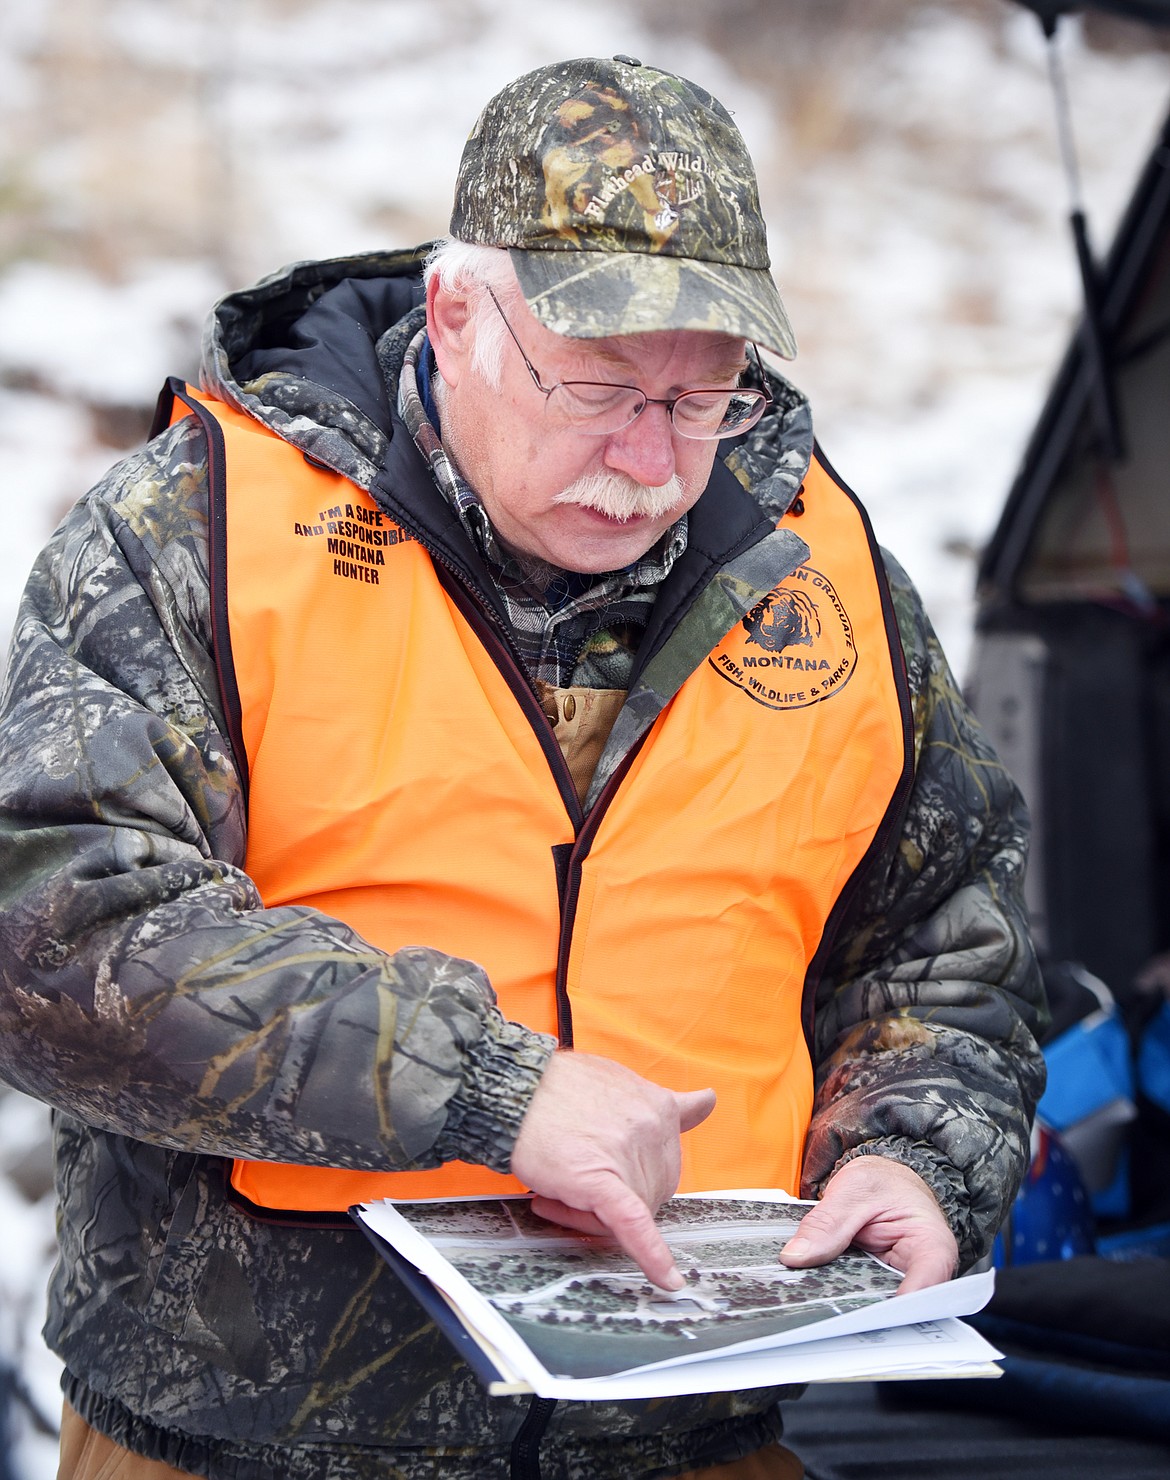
[600, 1149]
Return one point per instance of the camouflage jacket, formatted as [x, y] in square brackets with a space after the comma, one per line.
[135, 952]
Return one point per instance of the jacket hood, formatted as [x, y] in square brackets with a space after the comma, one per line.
[314, 351]
[299, 352]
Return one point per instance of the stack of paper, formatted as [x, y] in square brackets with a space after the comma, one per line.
[534, 1307]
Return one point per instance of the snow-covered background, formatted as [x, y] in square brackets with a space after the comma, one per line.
[152, 156]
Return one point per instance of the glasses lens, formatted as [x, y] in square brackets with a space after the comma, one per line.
[700, 413]
[708, 414]
[601, 409]
[593, 406]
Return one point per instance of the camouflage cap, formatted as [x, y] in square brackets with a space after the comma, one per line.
[628, 201]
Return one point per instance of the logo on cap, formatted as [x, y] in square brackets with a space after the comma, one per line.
[596, 151]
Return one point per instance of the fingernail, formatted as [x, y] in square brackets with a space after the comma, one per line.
[674, 1280]
[798, 1246]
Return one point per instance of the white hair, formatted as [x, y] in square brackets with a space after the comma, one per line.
[468, 267]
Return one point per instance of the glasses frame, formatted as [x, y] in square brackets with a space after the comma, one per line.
[670, 402]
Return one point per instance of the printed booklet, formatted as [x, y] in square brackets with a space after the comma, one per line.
[533, 1307]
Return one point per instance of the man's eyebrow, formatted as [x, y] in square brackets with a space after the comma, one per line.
[731, 367]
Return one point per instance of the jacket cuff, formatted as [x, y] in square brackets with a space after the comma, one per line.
[500, 1075]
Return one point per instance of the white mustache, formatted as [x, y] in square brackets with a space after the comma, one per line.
[618, 496]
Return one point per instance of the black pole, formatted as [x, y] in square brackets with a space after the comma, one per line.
[1104, 392]
[1093, 339]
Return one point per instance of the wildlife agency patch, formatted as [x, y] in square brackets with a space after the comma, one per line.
[794, 648]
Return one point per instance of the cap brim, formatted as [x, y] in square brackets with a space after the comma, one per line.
[593, 295]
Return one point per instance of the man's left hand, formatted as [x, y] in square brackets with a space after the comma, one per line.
[886, 1209]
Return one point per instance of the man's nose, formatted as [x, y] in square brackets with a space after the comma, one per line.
[645, 449]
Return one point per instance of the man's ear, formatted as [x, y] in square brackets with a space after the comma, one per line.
[450, 329]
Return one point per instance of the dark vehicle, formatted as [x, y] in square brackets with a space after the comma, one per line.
[1071, 677]
[1072, 665]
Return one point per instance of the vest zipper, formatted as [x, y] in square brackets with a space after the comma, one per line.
[572, 891]
[481, 619]
[498, 641]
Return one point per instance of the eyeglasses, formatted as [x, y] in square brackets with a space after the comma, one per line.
[600, 408]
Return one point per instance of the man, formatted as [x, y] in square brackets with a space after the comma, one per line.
[477, 746]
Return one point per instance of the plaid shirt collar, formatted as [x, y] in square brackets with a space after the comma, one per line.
[553, 613]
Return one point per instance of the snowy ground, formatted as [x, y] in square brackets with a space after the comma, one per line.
[153, 157]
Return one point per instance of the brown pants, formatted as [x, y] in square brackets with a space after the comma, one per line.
[773, 1462]
[88, 1455]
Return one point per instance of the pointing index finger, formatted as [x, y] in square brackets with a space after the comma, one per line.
[618, 1213]
[631, 1223]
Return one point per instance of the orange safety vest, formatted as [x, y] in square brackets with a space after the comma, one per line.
[401, 780]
